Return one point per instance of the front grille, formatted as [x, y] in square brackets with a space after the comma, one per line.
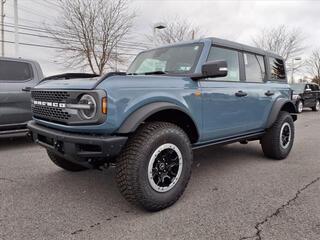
[56, 114]
[50, 96]
[56, 106]
[50, 113]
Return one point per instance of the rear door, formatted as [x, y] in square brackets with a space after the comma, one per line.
[15, 106]
[308, 96]
[261, 94]
[314, 91]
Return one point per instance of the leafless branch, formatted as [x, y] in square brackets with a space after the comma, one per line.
[288, 43]
[90, 31]
[313, 66]
[177, 30]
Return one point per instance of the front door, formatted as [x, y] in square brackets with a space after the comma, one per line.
[225, 101]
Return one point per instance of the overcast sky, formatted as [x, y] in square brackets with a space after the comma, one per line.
[233, 20]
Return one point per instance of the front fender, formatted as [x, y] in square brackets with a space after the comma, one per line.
[137, 117]
[281, 104]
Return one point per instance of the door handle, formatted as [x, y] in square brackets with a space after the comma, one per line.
[241, 94]
[269, 93]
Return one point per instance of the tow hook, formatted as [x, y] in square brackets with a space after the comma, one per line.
[58, 146]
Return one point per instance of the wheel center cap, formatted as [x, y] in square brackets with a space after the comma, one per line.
[162, 166]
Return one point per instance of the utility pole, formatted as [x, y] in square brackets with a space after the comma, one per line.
[16, 28]
[2, 27]
[192, 34]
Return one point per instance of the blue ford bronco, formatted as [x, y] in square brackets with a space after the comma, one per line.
[172, 100]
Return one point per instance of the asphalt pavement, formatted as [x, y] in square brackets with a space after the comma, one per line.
[234, 193]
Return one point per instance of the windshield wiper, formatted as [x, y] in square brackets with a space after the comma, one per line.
[155, 72]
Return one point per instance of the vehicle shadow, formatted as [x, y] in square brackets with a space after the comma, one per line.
[100, 187]
[90, 199]
[16, 142]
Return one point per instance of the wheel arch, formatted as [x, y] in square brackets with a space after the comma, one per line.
[281, 104]
[161, 111]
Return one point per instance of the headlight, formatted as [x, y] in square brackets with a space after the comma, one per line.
[89, 112]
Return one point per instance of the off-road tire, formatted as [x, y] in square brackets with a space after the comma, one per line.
[65, 164]
[132, 165]
[270, 142]
[316, 106]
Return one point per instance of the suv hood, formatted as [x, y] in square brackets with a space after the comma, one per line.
[77, 84]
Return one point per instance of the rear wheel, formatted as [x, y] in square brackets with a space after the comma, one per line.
[278, 140]
[316, 107]
[154, 168]
[65, 164]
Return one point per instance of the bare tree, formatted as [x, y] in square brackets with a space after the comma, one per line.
[286, 42]
[89, 32]
[176, 30]
[313, 66]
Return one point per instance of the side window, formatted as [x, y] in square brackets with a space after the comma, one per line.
[307, 87]
[277, 69]
[314, 87]
[254, 66]
[15, 71]
[232, 59]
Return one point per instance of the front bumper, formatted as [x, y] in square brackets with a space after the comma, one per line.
[83, 149]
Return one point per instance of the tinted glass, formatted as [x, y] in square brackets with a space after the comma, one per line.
[232, 59]
[254, 66]
[14, 71]
[176, 59]
[307, 87]
[277, 69]
[314, 87]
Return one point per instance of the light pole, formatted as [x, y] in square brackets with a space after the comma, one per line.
[2, 26]
[16, 28]
[292, 66]
[157, 26]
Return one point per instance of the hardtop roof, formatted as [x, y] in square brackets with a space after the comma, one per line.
[230, 44]
[243, 47]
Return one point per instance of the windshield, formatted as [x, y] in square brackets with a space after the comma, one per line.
[180, 59]
[297, 88]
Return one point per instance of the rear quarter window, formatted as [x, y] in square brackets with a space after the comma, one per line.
[254, 67]
[15, 71]
[277, 69]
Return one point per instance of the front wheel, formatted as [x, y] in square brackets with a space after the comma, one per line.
[154, 168]
[300, 106]
[278, 140]
[316, 107]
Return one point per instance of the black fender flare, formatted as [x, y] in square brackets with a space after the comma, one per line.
[137, 117]
[276, 108]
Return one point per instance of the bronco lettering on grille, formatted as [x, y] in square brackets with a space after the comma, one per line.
[49, 104]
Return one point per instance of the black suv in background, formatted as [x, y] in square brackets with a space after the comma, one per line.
[306, 95]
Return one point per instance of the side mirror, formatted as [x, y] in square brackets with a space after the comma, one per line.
[308, 90]
[212, 69]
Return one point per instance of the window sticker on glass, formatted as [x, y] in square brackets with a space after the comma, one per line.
[196, 48]
[184, 68]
